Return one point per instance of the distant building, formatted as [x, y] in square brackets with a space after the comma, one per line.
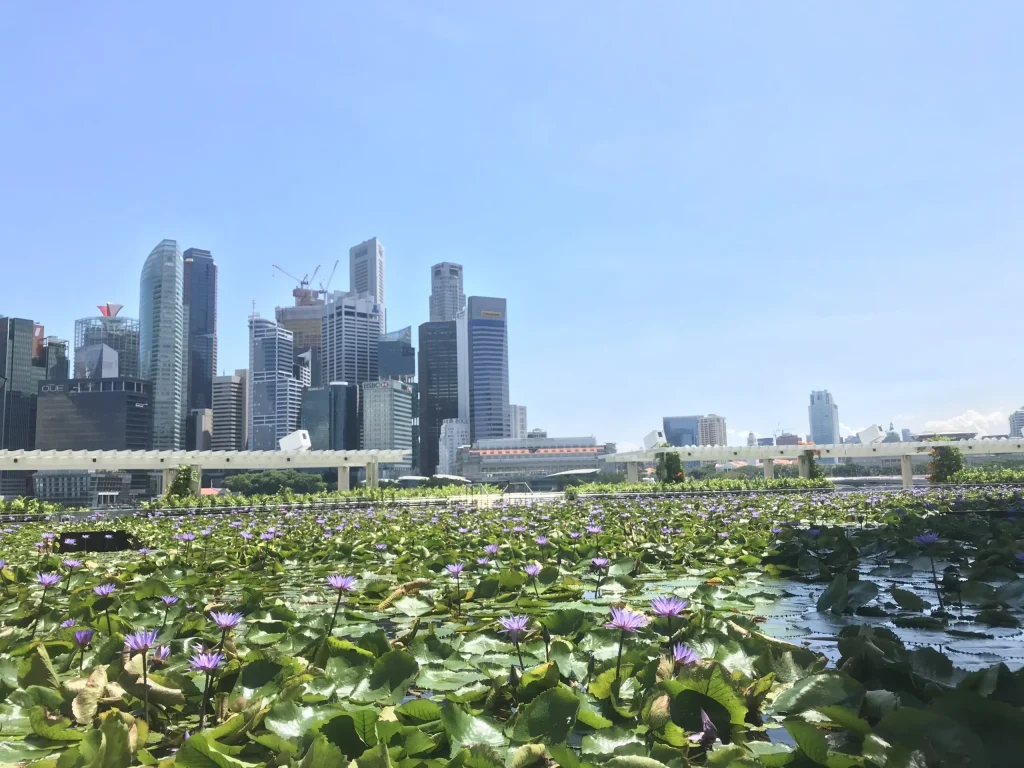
[905, 434]
[366, 273]
[508, 460]
[653, 439]
[98, 362]
[351, 330]
[517, 419]
[682, 430]
[751, 440]
[712, 430]
[537, 432]
[57, 360]
[275, 395]
[83, 488]
[921, 437]
[1017, 423]
[24, 366]
[823, 414]
[788, 438]
[120, 334]
[199, 429]
[454, 435]
[438, 388]
[230, 423]
[387, 418]
[162, 342]
[95, 415]
[331, 416]
[305, 321]
[482, 330]
[396, 356]
[446, 296]
[765, 441]
[200, 297]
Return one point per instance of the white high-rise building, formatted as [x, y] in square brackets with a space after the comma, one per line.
[387, 418]
[446, 296]
[276, 396]
[482, 348]
[517, 415]
[454, 434]
[823, 414]
[366, 274]
[711, 430]
[1017, 423]
[352, 327]
[162, 342]
[230, 424]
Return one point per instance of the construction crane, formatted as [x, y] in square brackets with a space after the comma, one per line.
[304, 297]
[325, 286]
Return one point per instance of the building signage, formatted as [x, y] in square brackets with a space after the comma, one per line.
[489, 313]
[51, 387]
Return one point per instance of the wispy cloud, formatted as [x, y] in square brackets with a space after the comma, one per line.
[995, 423]
[846, 430]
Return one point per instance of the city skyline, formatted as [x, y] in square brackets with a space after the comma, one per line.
[761, 183]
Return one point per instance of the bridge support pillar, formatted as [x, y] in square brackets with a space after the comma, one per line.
[166, 478]
[804, 465]
[372, 475]
[632, 472]
[344, 479]
[907, 471]
[769, 469]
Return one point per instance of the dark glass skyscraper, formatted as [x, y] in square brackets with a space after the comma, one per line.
[57, 362]
[120, 334]
[396, 356]
[331, 416]
[681, 430]
[483, 368]
[200, 296]
[95, 415]
[438, 388]
[24, 366]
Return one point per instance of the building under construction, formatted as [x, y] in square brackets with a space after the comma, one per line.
[305, 319]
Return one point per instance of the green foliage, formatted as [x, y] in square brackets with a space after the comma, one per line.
[670, 469]
[275, 481]
[988, 476]
[814, 471]
[181, 485]
[947, 461]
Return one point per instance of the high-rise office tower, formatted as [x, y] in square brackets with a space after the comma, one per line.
[712, 430]
[276, 396]
[823, 414]
[57, 362]
[120, 334]
[24, 366]
[751, 440]
[95, 415]
[200, 296]
[438, 388]
[905, 433]
[1016, 423]
[517, 419]
[396, 356]
[331, 416]
[483, 368]
[682, 430]
[446, 296]
[387, 418]
[305, 320]
[454, 434]
[366, 273]
[162, 342]
[351, 330]
[230, 423]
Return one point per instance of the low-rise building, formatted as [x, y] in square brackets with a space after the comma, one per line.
[508, 460]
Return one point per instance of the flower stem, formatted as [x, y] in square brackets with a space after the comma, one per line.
[145, 684]
[618, 659]
[206, 700]
[106, 612]
[334, 615]
[520, 652]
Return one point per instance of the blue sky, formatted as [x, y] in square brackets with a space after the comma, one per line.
[690, 207]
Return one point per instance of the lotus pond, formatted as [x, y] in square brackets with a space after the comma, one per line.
[767, 630]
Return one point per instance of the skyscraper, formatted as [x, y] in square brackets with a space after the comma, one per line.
[454, 434]
[824, 418]
[366, 272]
[120, 334]
[162, 342]
[446, 296]
[200, 296]
[230, 423]
[438, 388]
[56, 359]
[351, 330]
[95, 415]
[396, 356]
[305, 320]
[276, 396]
[331, 416]
[483, 368]
[712, 430]
[387, 418]
[1016, 423]
[517, 419]
[682, 430]
[24, 366]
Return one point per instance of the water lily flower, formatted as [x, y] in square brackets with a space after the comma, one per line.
[491, 549]
[226, 620]
[83, 637]
[533, 570]
[104, 590]
[926, 539]
[341, 583]
[169, 600]
[454, 569]
[67, 624]
[598, 563]
[48, 580]
[668, 606]
[206, 662]
[626, 620]
[141, 641]
[683, 655]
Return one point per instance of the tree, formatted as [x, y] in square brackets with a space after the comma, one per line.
[273, 481]
[670, 468]
[181, 486]
[815, 471]
[946, 461]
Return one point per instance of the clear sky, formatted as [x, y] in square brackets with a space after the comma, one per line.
[690, 207]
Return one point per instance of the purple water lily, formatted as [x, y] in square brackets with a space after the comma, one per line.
[533, 570]
[515, 626]
[47, 580]
[683, 655]
[141, 641]
[455, 569]
[206, 663]
[104, 590]
[669, 606]
[83, 637]
[626, 620]
[342, 583]
[67, 624]
[926, 539]
[491, 549]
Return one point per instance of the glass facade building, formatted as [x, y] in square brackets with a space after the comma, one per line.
[24, 366]
[387, 419]
[446, 296]
[95, 415]
[120, 334]
[57, 359]
[682, 430]
[162, 342]
[351, 331]
[396, 356]
[483, 368]
[200, 297]
[331, 416]
[275, 395]
[438, 389]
